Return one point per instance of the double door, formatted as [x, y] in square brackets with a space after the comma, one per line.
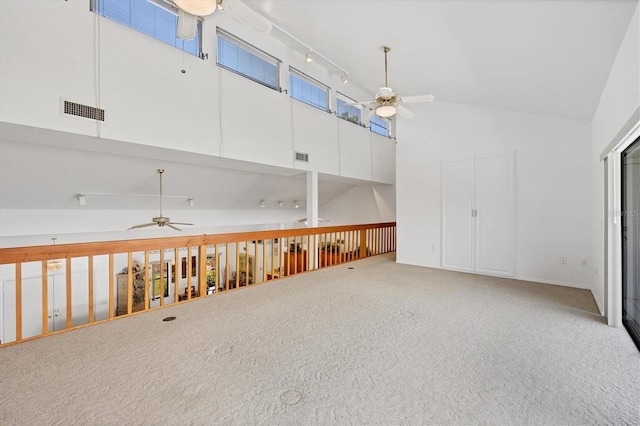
[478, 214]
[56, 304]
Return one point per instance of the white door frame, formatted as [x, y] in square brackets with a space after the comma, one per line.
[613, 227]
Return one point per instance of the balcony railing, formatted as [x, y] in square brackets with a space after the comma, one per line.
[55, 288]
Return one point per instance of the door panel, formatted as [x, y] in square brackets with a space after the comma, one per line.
[31, 312]
[457, 204]
[631, 240]
[494, 204]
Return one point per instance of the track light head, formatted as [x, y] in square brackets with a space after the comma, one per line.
[309, 57]
[345, 77]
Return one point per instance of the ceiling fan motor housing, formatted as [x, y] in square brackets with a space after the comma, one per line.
[386, 96]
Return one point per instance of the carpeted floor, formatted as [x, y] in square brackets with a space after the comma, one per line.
[380, 344]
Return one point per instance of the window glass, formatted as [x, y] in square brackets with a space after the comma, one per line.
[307, 90]
[350, 113]
[151, 19]
[244, 59]
[379, 125]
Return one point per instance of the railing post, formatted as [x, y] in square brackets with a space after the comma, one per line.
[18, 301]
[202, 270]
[363, 244]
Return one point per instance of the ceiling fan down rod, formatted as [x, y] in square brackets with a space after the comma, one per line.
[160, 171]
[385, 49]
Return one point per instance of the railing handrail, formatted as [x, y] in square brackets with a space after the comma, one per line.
[45, 252]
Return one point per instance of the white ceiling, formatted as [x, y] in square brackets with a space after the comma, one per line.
[546, 57]
[49, 173]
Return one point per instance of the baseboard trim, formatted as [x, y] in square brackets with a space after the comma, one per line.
[530, 279]
[599, 304]
[553, 282]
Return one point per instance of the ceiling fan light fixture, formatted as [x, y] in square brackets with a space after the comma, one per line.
[386, 111]
[54, 265]
[197, 7]
[309, 57]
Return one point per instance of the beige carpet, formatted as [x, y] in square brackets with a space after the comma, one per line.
[380, 344]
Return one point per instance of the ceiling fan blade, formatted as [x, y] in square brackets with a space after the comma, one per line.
[403, 112]
[172, 227]
[187, 25]
[304, 219]
[368, 116]
[143, 225]
[248, 16]
[416, 99]
[179, 223]
[358, 103]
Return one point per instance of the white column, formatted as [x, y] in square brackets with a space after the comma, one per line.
[312, 199]
[312, 217]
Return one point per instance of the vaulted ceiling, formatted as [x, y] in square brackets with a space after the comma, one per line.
[545, 57]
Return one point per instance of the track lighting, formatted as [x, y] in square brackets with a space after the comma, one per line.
[191, 202]
[279, 203]
[345, 77]
[262, 203]
[309, 57]
[296, 205]
[82, 199]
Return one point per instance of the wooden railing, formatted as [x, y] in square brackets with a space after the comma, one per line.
[101, 281]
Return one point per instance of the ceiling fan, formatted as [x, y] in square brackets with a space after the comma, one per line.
[161, 220]
[188, 13]
[387, 103]
[199, 7]
[190, 10]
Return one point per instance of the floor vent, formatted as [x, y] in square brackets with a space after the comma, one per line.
[301, 156]
[85, 111]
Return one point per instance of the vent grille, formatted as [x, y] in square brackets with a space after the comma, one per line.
[85, 111]
[301, 156]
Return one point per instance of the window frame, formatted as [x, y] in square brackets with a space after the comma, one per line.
[344, 98]
[94, 6]
[252, 50]
[312, 81]
[387, 120]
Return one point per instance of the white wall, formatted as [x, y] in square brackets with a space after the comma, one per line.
[619, 99]
[22, 227]
[149, 100]
[553, 183]
[362, 204]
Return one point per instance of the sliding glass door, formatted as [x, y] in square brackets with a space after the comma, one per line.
[631, 240]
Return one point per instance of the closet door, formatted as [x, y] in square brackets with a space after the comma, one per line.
[457, 222]
[494, 215]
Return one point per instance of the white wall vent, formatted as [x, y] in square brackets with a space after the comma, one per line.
[301, 156]
[85, 111]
